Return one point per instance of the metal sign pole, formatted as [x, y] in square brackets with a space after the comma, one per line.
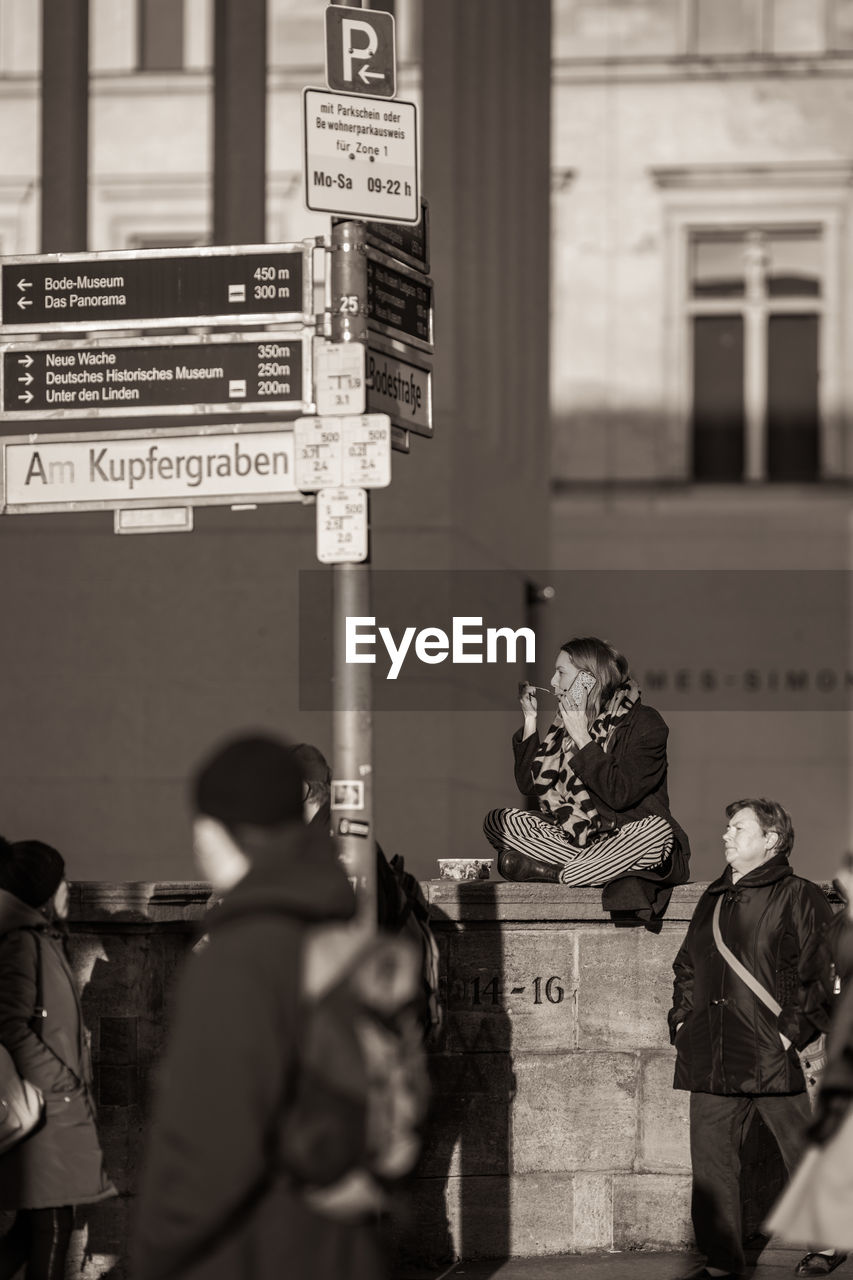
[352, 726]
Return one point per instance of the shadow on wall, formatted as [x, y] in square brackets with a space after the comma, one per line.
[131, 965]
[458, 1206]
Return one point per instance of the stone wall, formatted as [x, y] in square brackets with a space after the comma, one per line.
[555, 1128]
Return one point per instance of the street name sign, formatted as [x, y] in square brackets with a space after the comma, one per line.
[352, 450]
[109, 470]
[360, 54]
[399, 301]
[401, 388]
[341, 525]
[361, 156]
[162, 287]
[339, 377]
[119, 377]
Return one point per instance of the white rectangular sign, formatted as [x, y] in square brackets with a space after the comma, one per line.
[361, 156]
[318, 453]
[106, 470]
[352, 451]
[367, 450]
[339, 377]
[341, 526]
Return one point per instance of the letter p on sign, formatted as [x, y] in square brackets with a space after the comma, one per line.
[360, 54]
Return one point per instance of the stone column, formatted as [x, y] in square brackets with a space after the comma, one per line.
[64, 125]
[239, 121]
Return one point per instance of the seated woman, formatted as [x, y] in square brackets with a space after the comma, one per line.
[599, 779]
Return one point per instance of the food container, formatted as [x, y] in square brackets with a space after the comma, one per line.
[465, 868]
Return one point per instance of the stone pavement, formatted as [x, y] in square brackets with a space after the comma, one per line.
[774, 1264]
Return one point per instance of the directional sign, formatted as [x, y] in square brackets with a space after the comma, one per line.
[400, 388]
[361, 156]
[108, 470]
[399, 301]
[341, 526]
[92, 378]
[360, 56]
[410, 244]
[156, 287]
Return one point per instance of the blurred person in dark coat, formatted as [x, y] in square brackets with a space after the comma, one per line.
[817, 1204]
[217, 1202]
[735, 1056]
[59, 1164]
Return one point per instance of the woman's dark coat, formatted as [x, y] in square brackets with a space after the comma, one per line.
[60, 1163]
[627, 782]
[730, 1041]
[216, 1201]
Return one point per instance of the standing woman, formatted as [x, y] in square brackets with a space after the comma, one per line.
[60, 1164]
[599, 780]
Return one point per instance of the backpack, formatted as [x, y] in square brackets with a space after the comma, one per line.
[402, 909]
[21, 1103]
[353, 1114]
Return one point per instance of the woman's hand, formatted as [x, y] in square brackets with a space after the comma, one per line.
[529, 705]
[574, 718]
[529, 708]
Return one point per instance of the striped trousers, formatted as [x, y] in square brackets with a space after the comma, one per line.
[641, 844]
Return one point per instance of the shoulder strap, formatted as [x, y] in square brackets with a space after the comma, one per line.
[740, 969]
[39, 1011]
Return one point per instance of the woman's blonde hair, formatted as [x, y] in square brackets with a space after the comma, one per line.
[607, 666]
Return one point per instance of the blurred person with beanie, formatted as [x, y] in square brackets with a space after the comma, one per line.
[60, 1164]
[219, 1200]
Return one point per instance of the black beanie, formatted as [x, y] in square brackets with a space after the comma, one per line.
[253, 780]
[32, 871]
[312, 762]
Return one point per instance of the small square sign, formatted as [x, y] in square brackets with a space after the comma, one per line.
[341, 526]
[360, 53]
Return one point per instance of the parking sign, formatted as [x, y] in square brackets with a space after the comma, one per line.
[360, 56]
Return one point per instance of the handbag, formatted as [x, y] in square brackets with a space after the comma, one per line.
[21, 1104]
[813, 1056]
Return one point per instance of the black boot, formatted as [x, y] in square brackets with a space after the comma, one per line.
[520, 866]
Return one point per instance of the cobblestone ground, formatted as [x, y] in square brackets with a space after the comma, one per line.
[774, 1264]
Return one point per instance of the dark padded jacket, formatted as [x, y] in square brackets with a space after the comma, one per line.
[60, 1162]
[730, 1041]
[216, 1202]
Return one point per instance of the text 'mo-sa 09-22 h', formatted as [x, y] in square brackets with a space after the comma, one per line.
[151, 287]
[93, 378]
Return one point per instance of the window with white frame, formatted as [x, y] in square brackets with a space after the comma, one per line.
[755, 310]
[720, 28]
[630, 29]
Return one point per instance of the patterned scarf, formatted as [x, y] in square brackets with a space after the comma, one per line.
[558, 788]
